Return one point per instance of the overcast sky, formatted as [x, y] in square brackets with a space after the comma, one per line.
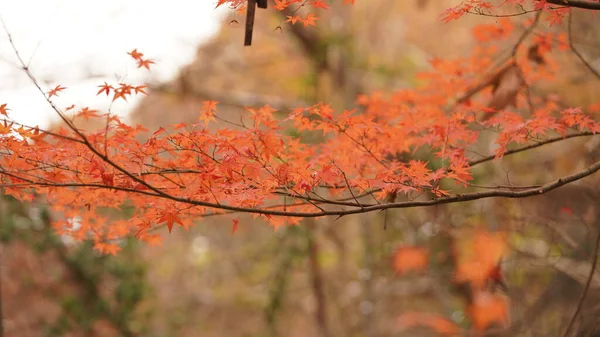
[79, 44]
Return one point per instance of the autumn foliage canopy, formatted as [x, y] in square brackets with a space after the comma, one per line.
[365, 162]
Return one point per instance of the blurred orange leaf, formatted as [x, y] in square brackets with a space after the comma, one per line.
[477, 256]
[487, 308]
[135, 54]
[410, 258]
[437, 323]
[235, 226]
[4, 110]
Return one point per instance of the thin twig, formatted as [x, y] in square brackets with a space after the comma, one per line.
[587, 286]
[576, 52]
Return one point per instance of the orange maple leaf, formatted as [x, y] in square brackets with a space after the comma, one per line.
[105, 87]
[208, 111]
[281, 5]
[309, 20]
[145, 63]
[4, 110]
[107, 248]
[293, 19]
[487, 309]
[478, 255]
[179, 126]
[410, 258]
[140, 89]
[122, 91]
[319, 4]
[135, 54]
[170, 218]
[87, 113]
[5, 128]
[55, 91]
[120, 94]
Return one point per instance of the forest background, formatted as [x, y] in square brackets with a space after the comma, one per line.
[358, 275]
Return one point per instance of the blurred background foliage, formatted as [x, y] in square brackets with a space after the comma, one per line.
[324, 278]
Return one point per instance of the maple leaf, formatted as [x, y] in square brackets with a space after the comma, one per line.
[135, 54]
[87, 113]
[120, 94]
[5, 128]
[478, 256]
[410, 258]
[179, 126]
[281, 5]
[140, 89]
[170, 218]
[207, 112]
[557, 16]
[541, 5]
[107, 248]
[318, 4]
[488, 308]
[4, 110]
[55, 91]
[122, 91]
[145, 63]
[293, 19]
[309, 20]
[105, 87]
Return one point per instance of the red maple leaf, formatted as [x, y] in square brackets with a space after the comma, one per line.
[55, 91]
[105, 87]
[145, 63]
[135, 54]
[4, 110]
[170, 218]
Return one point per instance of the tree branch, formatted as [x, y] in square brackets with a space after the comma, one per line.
[576, 3]
[403, 204]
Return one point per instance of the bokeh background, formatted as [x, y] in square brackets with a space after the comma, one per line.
[324, 278]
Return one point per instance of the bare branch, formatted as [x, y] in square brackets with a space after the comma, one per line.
[587, 286]
[576, 3]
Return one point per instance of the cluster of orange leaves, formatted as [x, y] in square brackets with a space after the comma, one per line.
[282, 5]
[174, 176]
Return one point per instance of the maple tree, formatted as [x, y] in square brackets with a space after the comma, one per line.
[184, 172]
